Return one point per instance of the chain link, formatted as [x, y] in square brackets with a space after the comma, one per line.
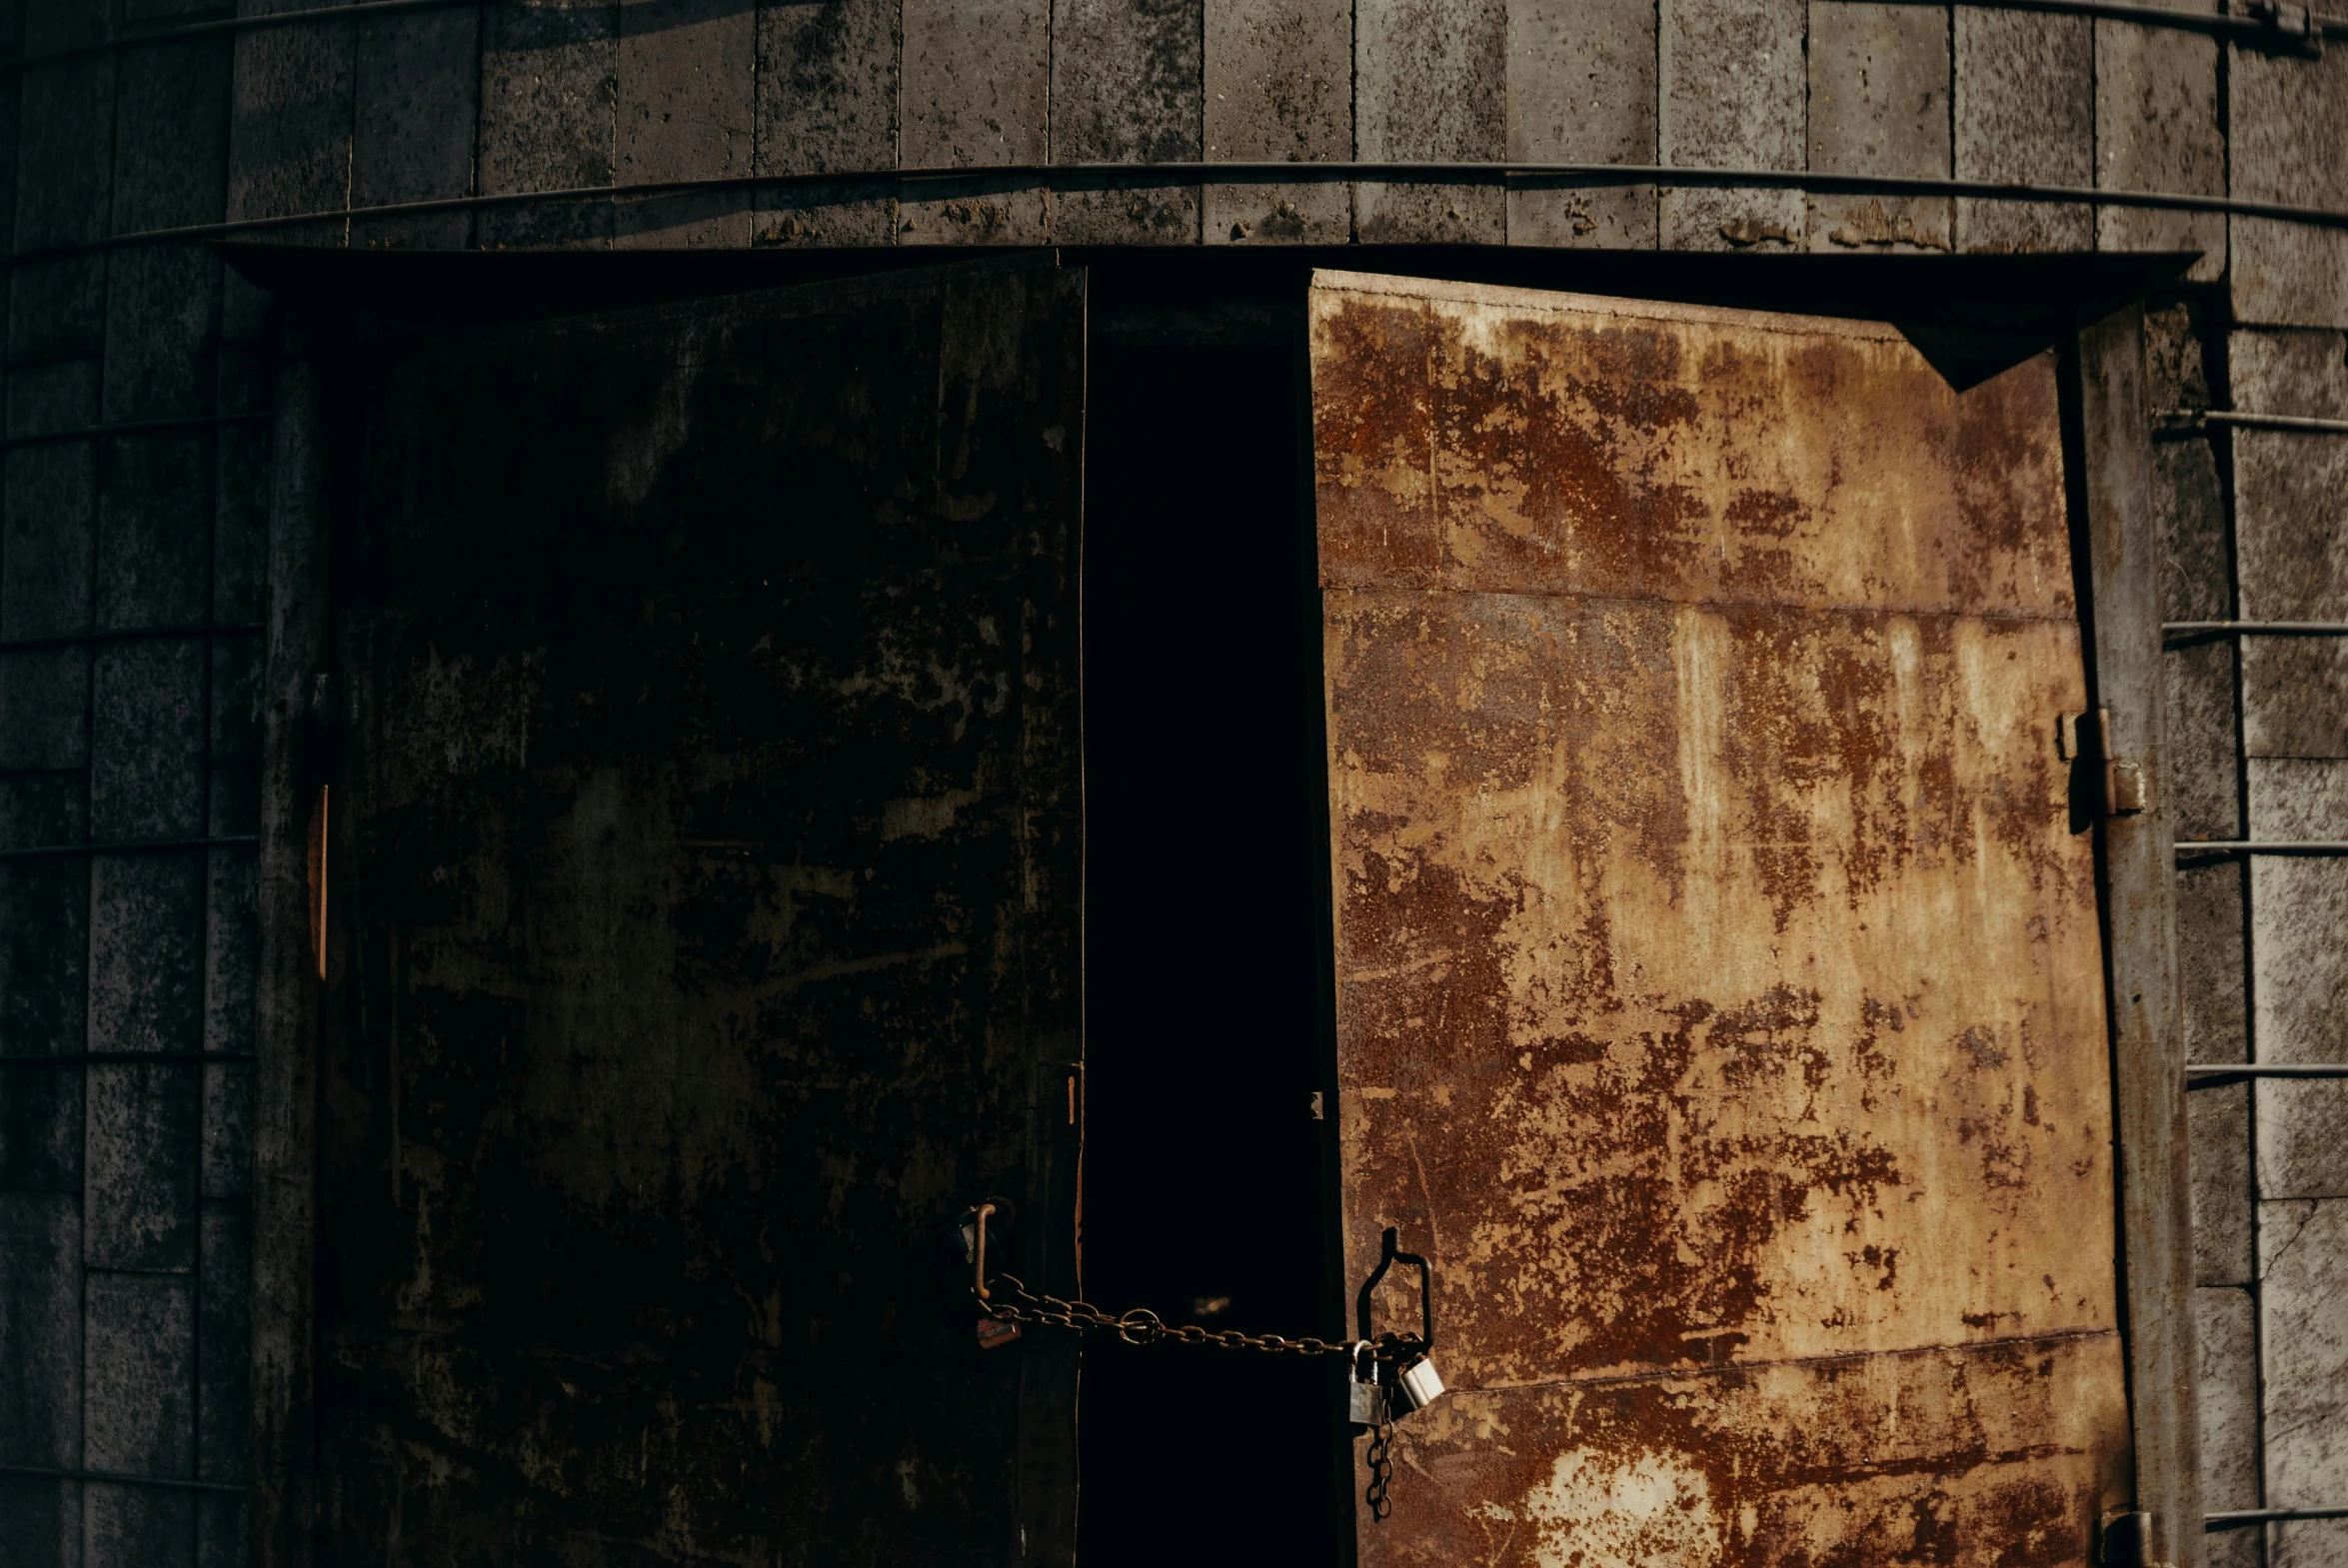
[1141, 1326]
[1382, 1470]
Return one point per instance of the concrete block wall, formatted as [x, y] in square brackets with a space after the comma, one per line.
[130, 561]
[130, 590]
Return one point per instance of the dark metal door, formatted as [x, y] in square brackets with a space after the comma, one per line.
[704, 930]
[1720, 983]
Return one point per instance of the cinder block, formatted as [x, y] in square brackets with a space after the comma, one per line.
[2216, 1008]
[2298, 910]
[245, 369]
[235, 739]
[45, 709]
[146, 951]
[1427, 83]
[1278, 87]
[2196, 584]
[2204, 784]
[40, 1329]
[139, 1156]
[2294, 556]
[1730, 96]
[686, 83]
[139, 1348]
[2281, 108]
[159, 10]
[40, 1125]
[1581, 89]
[2024, 111]
[64, 24]
[146, 740]
[228, 1130]
[235, 800]
[2190, 500]
[977, 83]
[2218, 1123]
[223, 1406]
[223, 1531]
[11, 126]
[1879, 84]
[170, 170]
[288, 146]
[64, 127]
[419, 102]
[244, 321]
[2234, 1549]
[2225, 1323]
[2295, 696]
[44, 955]
[240, 523]
[137, 1527]
[827, 101]
[232, 951]
[163, 310]
[57, 308]
[44, 809]
[154, 533]
[2303, 1249]
[63, 197]
[1128, 86]
[2303, 1138]
[58, 394]
[549, 72]
[48, 535]
[2159, 126]
[40, 1523]
[2310, 1543]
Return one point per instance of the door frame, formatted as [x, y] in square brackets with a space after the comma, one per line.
[2117, 555]
[2116, 546]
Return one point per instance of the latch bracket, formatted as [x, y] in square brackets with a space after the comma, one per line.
[2084, 741]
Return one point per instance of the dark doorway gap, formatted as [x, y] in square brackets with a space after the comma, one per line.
[1207, 983]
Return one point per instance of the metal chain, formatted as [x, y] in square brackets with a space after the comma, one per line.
[1382, 1469]
[1009, 1300]
[1141, 1326]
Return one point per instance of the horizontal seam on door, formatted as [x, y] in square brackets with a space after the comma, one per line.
[1841, 1358]
[1700, 604]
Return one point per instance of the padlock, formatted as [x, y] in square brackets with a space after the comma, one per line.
[1366, 1397]
[1416, 1386]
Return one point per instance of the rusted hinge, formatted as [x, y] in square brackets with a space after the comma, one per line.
[2128, 1541]
[2086, 739]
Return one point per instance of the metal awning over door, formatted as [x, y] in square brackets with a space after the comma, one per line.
[1720, 991]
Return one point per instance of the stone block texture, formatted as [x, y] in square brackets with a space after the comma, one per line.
[130, 590]
[135, 471]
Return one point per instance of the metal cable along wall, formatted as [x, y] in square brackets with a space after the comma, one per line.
[2267, 24]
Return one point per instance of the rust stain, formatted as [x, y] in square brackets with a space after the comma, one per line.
[1717, 976]
[1690, 457]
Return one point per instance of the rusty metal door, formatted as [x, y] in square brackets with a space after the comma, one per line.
[703, 929]
[1719, 985]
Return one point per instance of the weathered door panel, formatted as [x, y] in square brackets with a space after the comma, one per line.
[1719, 988]
[706, 931]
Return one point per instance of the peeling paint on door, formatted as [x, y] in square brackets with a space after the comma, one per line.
[1719, 985]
